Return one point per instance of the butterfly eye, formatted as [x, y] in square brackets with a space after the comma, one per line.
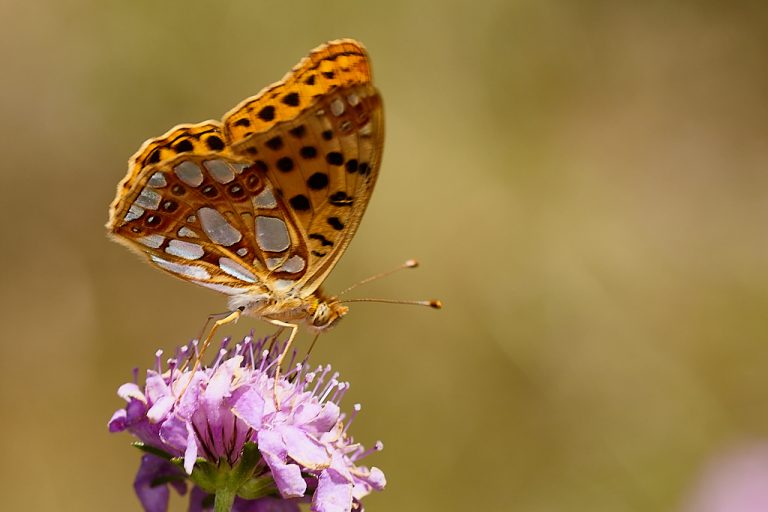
[321, 316]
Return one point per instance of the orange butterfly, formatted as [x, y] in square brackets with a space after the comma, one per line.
[261, 205]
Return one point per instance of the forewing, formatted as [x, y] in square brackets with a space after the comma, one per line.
[207, 216]
[319, 135]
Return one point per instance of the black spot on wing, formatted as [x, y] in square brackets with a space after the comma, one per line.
[267, 113]
[320, 238]
[335, 223]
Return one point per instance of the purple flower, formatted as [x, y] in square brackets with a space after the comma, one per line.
[221, 428]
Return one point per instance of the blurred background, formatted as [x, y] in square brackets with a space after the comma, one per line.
[584, 183]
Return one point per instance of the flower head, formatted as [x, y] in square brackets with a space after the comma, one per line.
[222, 428]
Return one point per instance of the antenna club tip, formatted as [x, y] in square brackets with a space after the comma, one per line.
[411, 264]
[437, 304]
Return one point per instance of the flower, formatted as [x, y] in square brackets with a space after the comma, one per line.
[245, 443]
[734, 481]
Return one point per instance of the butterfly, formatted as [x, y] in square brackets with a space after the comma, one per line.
[261, 205]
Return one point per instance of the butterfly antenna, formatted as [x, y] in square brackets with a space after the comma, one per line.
[433, 303]
[407, 264]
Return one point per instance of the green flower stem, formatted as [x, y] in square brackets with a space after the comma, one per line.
[224, 499]
[226, 482]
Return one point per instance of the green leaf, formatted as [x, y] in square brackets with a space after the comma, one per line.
[162, 480]
[151, 449]
[258, 488]
[249, 458]
[208, 476]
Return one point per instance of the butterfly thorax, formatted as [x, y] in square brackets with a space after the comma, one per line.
[317, 311]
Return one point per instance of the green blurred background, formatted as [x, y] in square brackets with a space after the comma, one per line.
[584, 184]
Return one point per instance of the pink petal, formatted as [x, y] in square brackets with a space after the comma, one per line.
[173, 432]
[307, 411]
[367, 480]
[333, 493]
[130, 390]
[326, 418]
[303, 449]
[287, 476]
[190, 454]
[335, 435]
[221, 380]
[136, 410]
[342, 466]
[249, 407]
[377, 479]
[272, 442]
[118, 421]
[190, 401]
[160, 409]
[156, 388]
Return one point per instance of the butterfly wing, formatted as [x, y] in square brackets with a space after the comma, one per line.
[267, 201]
[207, 216]
[319, 134]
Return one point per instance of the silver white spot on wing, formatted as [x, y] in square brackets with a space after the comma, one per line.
[222, 288]
[219, 171]
[242, 251]
[186, 232]
[234, 269]
[265, 199]
[271, 234]
[153, 241]
[191, 219]
[191, 271]
[337, 107]
[186, 250]
[273, 263]
[353, 99]
[148, 199]
[217, 228]
[189, 173]
[294, 264]
[157, 180]
[239, 168]
[134, 212]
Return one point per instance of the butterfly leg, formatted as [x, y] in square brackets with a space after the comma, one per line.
[294, 329]
[274, 337]
[231, 317]
[205, 328]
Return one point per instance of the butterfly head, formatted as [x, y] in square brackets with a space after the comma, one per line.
[324, 313]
